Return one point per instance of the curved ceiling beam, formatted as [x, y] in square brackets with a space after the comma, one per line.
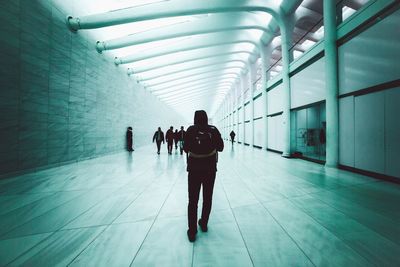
[192, 58]
[178, 83]
[184, 105]
[205, 69]
[193, 84]
[202, 94]
[214, 23]
[213, 70]
[213, 84]
[204, 77]
[216, 90]
[170, 9]
[195, 42]
[303, 13]
[189, 66]
[187, 93]
[197, 97]
[200, 97]
[194, 77]
[200, 101]
[201, 86]
[198, 89]
[308, 35]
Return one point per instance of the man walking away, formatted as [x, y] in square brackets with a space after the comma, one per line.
[158, 137]
[170, 139]
[129, 139]
[232, 134]
[181, 138]
[176, 138]
[202, 143]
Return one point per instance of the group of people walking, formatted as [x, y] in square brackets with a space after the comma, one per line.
[201, 143]
[171, 137]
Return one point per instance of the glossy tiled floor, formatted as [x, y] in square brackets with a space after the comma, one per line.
[123, 210]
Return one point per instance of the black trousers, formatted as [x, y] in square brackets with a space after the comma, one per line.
[158, 146]
[195, 181]
[170, 144]
[181, 146]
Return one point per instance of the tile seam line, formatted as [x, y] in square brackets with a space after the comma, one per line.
[108, 225]
[2, 235]
[278, 223]
[237, 225]
[383, 214]
[151, 226]
[52, 194]
[342, 240]
[52, 233]
[58, 230]
[351, 217]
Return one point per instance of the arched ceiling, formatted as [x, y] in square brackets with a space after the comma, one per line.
[189, 54]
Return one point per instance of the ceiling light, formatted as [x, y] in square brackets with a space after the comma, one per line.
[319, 34]
[347, 12]
[307, 44]
[297, 53]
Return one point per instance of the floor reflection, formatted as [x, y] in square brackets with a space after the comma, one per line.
[129, 161]
[267, 211]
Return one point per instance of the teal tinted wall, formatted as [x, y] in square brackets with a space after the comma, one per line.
[369, 123]
[60, 100]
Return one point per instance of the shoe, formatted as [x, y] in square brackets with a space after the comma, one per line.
[158, 153]
[203, 227]
[191, 236]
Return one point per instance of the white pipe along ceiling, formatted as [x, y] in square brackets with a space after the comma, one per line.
[196, 58]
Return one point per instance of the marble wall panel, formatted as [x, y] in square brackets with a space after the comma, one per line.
[61, 101]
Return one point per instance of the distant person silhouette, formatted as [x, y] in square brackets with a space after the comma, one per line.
[322, 135]
[176, 139]
[181, 138]
[232, 134]
[129, 139]
[322, 139]
[202, 143]
[169, 136]
[158, 137]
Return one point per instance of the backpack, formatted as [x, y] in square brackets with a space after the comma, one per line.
[203, 141]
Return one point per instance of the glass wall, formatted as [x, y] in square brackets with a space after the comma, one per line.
[309, 132]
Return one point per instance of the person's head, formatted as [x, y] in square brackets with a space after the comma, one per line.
[200, 117]
[130, 128]
[181, 127]
[176, 130]
[171, 128]
[159, 128]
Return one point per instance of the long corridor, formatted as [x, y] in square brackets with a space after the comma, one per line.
[130, 209]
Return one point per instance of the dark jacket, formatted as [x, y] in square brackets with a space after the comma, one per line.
[206, 164]
[181, 135]
[129, 141]
[169, 136]
[161, 136]
[129, 136]
[176, 136]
